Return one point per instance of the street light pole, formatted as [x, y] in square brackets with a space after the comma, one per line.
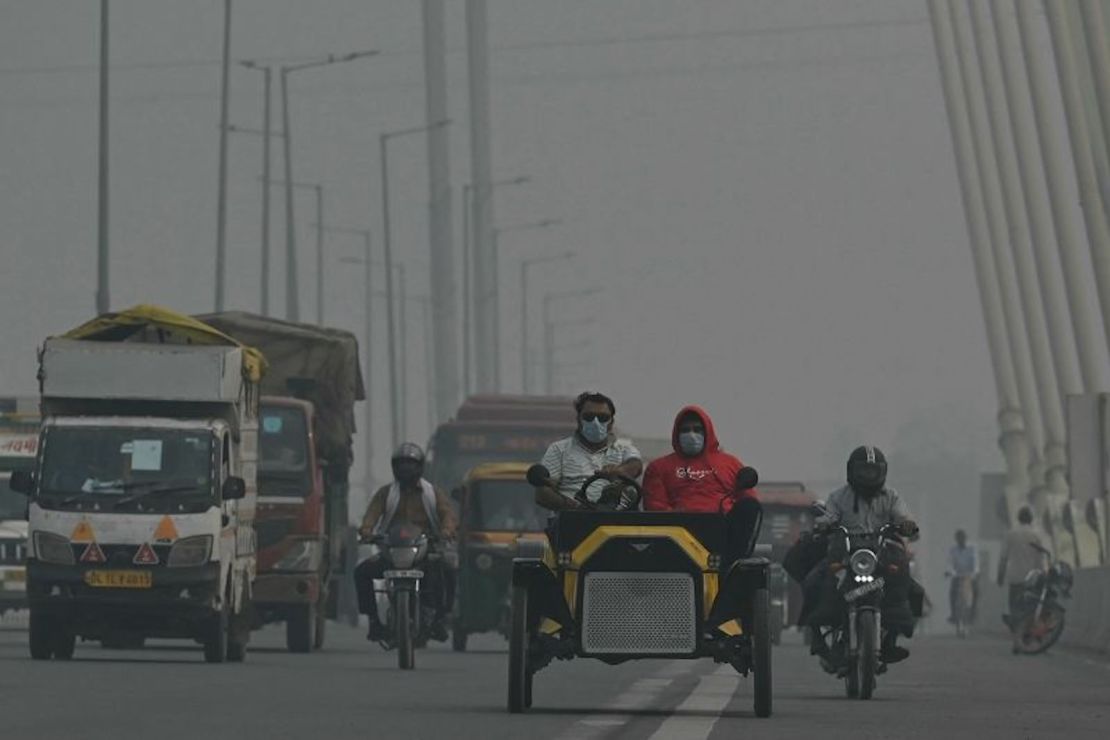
[549, 332]
[267, 79]
[221, 188]
[292, 300]
[395, 389]
[319, 254]
[404, 350]
[466, 300]
[524, 265]
[102, 286]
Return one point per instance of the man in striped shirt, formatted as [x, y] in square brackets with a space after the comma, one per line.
[593, 448]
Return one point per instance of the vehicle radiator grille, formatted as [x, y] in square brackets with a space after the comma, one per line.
[642, 613]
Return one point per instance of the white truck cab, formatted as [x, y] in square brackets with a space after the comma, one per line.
[142, 498]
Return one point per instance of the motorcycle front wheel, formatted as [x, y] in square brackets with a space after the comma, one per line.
[868, 635]
[406, 649]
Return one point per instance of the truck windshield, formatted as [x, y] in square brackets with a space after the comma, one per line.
[112, 462]
[283, 468]
[504, 506]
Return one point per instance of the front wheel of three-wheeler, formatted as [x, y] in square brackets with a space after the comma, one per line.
[300, 628]
[458, 639]
[520, 677]
[761, 652]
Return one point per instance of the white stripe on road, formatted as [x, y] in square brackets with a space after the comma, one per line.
[694, 719]
[643, 694]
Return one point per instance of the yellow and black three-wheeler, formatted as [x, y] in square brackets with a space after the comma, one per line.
[624, 585]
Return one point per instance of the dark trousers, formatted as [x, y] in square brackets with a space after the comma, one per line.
[437, 589]
[744, 521]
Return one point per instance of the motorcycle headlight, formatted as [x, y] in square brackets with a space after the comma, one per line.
[403, 557]
[51, 548]
[483, 561]
[863, 562]
[190, 551]
[304, 555]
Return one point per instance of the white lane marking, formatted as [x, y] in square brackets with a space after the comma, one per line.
[694, 718]
[642, 694]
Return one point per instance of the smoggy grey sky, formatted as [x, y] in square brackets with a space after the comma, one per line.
[765, 189]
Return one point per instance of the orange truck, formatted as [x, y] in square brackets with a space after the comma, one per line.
[306, 422]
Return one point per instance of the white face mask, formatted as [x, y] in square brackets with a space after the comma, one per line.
[595, 431]
[691, 443]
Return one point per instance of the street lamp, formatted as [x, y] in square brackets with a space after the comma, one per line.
[292, 303]
[467, 242]
[387, 246]
[318, 189]
[267, 79]
[549, 329]
[494, 297]
[524, 265]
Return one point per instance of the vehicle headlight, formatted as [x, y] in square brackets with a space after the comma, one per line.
[190, 551]
[304, 555]
[863, 562]
[403, 557]
[51, 548]
[483, 561]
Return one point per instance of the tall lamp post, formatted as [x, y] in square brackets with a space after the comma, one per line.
[267, 87]
[387, 247]
[524, 265]
[493, 298]
[549, 329]
[221, 186]
[292, 302]
[318, 189]
[102, 287]
[468, 273]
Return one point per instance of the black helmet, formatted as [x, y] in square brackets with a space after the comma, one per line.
[407, 462]
[867, 470]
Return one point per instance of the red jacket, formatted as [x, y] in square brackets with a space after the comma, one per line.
[678, 482]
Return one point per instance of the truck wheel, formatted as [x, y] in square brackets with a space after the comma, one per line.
[458, 639]
[41, 636]
[300, 628]
[215, 638]
[761, 652]
[64, 643]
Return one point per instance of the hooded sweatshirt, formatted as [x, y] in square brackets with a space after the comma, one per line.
[700, 482]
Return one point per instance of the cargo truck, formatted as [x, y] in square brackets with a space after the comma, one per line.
[142, 498]
[312, 381]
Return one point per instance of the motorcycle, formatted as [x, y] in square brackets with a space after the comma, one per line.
[1041, 621]
[408, 553]
[860, 564]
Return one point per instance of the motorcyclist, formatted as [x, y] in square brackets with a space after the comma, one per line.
[592, 449]
[865, 504]
[700, 476]
[413, 500]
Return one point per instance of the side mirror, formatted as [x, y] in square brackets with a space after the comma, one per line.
[22, 482]
[819, 509]
[746, 478]
[234, 488]
[538, 475]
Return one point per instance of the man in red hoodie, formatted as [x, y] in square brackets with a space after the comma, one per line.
[699, 476]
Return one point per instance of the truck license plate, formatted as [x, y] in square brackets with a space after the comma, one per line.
[403, 574]
[119, 578]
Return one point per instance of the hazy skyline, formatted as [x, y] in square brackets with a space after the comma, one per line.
[764, 189]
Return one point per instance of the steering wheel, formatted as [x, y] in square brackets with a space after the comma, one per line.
[627, 482]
